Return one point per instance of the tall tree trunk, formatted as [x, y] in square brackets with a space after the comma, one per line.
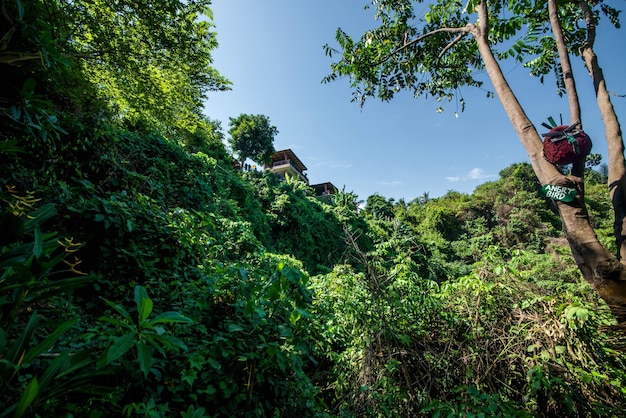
[597, 265]
[617, 170]
[578, 168]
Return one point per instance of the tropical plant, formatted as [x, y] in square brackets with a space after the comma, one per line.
[37, 270]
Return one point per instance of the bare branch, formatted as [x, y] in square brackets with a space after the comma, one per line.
[451, 44]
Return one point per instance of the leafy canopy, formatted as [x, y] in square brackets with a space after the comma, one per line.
[147, 62]
[252, 136]
[435, 54]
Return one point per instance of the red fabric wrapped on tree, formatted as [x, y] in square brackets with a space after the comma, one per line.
[565, 145]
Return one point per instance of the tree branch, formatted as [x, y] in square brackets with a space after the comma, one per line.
[412, 42]
[451, 44]
[568, 77]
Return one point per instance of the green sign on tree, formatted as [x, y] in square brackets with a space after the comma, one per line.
[562, 193]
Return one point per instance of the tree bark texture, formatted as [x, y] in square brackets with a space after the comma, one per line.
[617, 170]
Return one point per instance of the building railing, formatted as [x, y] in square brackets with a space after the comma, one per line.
[283, 163]
[286, 162]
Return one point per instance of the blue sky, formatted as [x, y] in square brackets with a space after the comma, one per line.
[272, 52]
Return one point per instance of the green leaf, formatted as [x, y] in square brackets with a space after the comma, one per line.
[49, 341]
[10, 147]
[552, 122]
[20, 10]
[234, 328]
[171, 317]
[27, 398]
[577, 312]
[144, 303]
[119, 347]
[52, 369]
[404, 339]
[119, 309]
[17, 350]
[168, 341]
[38, 245]
[294, 317]
[42, 214]
[3, 340]
[144, 354]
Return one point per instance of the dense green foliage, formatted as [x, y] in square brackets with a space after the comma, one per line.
[252, 136]
[428, 49]
[143, 274]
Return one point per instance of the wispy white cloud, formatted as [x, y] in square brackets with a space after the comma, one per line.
[478, 174]
[394, 183]
[474, 174]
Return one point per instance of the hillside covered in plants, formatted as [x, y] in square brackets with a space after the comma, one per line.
[142, 273]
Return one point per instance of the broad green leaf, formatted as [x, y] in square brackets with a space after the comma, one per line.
[170, 316]
[50, 340]
[42, 214]
[170, 342]
[234, 328]
[27, 398]
[577, 312]
[3, 340]
[119, 309]
[38, 245]
[14, 355]
[144, 354]
[20, 10]
[120, 347]
[144, 303]
[294, 317]
[53, 368]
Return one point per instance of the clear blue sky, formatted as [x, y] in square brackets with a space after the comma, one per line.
[272, 52]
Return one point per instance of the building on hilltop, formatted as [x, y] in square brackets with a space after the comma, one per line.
[286, 162]
[324, 189]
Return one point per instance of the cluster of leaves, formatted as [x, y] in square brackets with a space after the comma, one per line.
[434, 55]
[252, 136]
[508, 332]
[300, 224]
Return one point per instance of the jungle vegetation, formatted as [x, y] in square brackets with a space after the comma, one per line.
[142, 273]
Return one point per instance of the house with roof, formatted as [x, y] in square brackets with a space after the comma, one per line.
[324, 189]
[286, 162]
